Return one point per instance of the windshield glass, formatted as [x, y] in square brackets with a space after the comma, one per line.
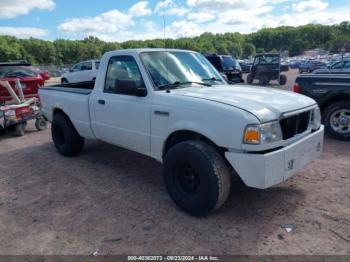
[17, 71]
[168, 67]
[229, 63]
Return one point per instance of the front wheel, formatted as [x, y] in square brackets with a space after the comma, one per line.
[283, 80]
[250, 79]
[196, 177]
[336, 118]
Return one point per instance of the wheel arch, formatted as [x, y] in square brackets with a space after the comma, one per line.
[58, 110]
[179, 136]
[334, 99]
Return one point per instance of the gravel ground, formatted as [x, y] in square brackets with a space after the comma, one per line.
[114, 201]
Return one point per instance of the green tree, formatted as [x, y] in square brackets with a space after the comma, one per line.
[248, 50]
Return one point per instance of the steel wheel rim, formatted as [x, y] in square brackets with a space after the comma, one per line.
[187, 180]
[340, 121]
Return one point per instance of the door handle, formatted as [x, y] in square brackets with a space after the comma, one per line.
[101, 102]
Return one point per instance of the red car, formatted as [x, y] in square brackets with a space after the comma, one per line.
[31, 79]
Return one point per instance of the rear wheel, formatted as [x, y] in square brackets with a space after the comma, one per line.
[336, 118]
[64, 81]
[19, 129]
[65, 137]
[196, 177]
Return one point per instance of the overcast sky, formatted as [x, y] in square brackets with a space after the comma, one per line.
[120, 20]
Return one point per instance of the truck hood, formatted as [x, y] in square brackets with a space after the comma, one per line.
[265, 103]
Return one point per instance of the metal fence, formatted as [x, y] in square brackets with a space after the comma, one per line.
[55, 70]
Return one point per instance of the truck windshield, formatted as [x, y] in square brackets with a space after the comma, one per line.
[167, 68]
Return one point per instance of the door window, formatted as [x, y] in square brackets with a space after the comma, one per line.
[122, 71]
[76, 68]
[338, 66]
[347, 64]
[86, 66]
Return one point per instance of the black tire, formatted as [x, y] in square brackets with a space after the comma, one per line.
[196, 177]
[40, 124]
[283, 80]
[250, 79]
[64, 81]
[19, 129]
[264, 80]
[328, 119]
[65, 137]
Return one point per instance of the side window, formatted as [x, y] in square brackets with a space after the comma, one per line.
[122, 72]
[347, 64]
[86, 66]
[76, 68]
[338, 66]
[97, 65]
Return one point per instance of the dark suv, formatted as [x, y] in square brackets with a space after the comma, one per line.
[228, 66]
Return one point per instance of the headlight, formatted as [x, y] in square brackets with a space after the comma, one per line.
[263, 134]
[315, 119]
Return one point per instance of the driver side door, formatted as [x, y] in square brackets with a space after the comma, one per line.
[123, 119]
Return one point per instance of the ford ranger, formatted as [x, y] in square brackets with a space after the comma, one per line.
[173, 106]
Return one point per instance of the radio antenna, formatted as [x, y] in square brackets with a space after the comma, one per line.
[165, 47]
[164, 29]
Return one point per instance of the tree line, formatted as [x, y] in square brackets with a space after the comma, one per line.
[295, 40]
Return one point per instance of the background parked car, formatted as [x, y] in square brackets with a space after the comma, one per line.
[81, 72]
[31, 79]
[227, 65]
[245, 66]
[342, 67]
[295, 64]
[311, 65]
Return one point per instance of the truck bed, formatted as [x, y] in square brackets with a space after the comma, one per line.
[88, 85]
[80, 91]
[323, 87]
[73, 99]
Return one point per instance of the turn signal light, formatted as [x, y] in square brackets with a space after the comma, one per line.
[252, 135]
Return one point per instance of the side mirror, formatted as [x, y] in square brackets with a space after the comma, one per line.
[128, 87]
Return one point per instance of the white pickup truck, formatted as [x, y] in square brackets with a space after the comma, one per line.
[172, 105]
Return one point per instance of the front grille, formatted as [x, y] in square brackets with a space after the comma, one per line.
[294, 125]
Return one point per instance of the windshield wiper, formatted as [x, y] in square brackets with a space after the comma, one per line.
[212, 79]
[177, 84]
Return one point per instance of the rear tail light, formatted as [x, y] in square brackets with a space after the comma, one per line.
[296, 88]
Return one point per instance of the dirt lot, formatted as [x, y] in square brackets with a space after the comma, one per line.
[114, 201]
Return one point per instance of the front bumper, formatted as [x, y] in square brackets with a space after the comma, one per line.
[266, 170]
